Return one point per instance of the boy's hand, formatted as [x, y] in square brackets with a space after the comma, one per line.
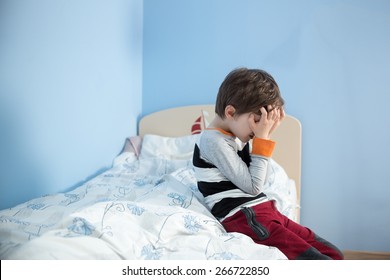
[268, 122]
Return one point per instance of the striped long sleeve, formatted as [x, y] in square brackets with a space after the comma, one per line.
[227, 176]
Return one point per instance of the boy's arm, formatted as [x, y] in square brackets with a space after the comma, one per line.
[222, 153]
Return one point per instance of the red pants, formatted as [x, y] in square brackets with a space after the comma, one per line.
[267, 226]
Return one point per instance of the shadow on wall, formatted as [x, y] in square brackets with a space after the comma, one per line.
[20, 178]
[88, 178]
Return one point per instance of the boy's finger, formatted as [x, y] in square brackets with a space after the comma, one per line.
[273, 114]
[282, 113]
[263, 111]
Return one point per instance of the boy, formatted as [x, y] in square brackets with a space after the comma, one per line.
[249, 107]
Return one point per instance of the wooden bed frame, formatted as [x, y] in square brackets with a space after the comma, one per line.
[178, 121]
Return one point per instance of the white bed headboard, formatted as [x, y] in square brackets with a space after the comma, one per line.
[178, 121]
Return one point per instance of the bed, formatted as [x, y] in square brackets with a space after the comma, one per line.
[147, 205]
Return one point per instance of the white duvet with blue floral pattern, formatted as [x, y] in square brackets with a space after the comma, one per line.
[147, 208]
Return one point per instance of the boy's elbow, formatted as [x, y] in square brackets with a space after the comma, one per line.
[257, 187]
[256, 191]
[252, 187]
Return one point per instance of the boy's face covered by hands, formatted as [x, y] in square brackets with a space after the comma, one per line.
[249, 125]
[263, 125]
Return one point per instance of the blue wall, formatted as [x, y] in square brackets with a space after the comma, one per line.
[332, 62]
[70, 91]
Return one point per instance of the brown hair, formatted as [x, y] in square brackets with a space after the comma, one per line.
[247, 90]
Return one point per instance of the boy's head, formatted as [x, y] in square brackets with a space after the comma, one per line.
[247, 90]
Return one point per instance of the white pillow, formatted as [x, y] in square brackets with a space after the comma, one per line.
[172, 148]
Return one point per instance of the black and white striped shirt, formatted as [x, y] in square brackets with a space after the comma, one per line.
[228, 176]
